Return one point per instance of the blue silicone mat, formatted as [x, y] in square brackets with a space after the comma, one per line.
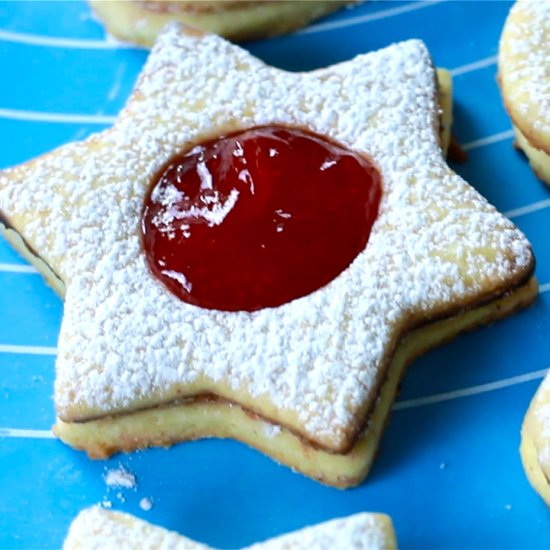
[448, 471]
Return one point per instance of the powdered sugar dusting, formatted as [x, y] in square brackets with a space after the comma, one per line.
[543, 415]
[544, 456]
[120, 478]
[98, 528]
[145, 504]
[128, 342]
[360, 531]
[271, 430]
[524, 65]
[213, 210]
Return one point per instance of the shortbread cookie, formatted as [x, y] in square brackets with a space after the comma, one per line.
[524, 75]
[535, 441]
[140, 21]
[301, 363]
[99, 528]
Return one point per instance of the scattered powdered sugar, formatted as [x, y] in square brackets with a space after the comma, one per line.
[542, 413]
[145, 504]
[126, 342]
[524, 65]
[120, 478]
[544, 456]
[271, 430]
[213, 211]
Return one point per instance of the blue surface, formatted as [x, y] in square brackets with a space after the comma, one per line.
[449, 472]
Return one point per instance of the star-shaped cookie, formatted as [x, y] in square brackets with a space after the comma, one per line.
[98, 528]
[309, 382]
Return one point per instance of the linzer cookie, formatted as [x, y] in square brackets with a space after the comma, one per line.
[535, 441]
[140, 21]
[256, 254]
[99, 528]
[524, 75]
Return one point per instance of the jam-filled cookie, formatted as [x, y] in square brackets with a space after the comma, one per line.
[257, 254]
[99, 528]
[524, 75]
[535, 441]
[140, 21]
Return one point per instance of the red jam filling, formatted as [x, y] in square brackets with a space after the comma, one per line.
[258, 218]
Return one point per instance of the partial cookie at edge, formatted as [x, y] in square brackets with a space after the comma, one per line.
[535, 441]
[140, 21]
[99, 528]
[524, 77]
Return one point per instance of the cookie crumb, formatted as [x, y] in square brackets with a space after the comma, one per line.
[271, 430]
[120, 478]
[107, 504]
[145, 504]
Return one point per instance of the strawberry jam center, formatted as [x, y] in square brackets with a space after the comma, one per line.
[258, 218]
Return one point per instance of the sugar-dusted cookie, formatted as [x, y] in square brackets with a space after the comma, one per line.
[140, 21]
[99, 528]
[257, 254]
[535, 441]
[524, 76]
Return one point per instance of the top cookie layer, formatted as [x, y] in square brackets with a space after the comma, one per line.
[524, 69]
[98, 528]
[314, 364]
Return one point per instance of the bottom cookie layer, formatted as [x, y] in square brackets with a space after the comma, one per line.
[538, 159]
[535, 441]
[164, 426]
[23, 249]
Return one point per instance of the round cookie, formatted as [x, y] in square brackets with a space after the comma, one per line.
[535, 441]
[140, 21]
[524, 76]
